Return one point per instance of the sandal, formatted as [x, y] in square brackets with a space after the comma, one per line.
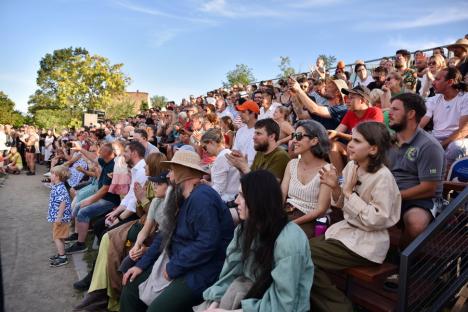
[391, 283]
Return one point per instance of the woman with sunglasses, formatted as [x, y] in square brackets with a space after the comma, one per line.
[393, 86]
[435, 64]
[307, 200]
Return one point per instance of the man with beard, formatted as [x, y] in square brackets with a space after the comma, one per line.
[379, 75]
[460, 50]
[329, 115]
[417, 164]
[409, 76]
[188, 252]
[448, 110]
[269, 156]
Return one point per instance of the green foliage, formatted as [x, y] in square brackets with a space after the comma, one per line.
[329, 60]
[285, 67]
[53, 118]
[144, 106]
[119, 109]
[242, 74]
[73, 81]
[158, 101]
[8, 114]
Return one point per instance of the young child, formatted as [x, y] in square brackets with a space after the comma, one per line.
[120, 177]
[59, 213]
[370, 200]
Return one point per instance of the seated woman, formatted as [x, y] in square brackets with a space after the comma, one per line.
[224, 177]
[188, 252]
[371, 202]
[307, 199]
[15, 163]
[106, 279]
[268, 265]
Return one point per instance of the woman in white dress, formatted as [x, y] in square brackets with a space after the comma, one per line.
[48, 145]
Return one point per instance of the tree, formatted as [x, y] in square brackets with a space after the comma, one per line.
[8, 114]
[242, 74]
[144, 106]
[73, 80]
[120, 108]
[158, 101]
[55, 118]
[329, 61]
[285, 67]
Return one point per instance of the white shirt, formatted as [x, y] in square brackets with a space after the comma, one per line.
[139, 176]
[446, 114]
[268, 114]
[225, 178]
[364, 83]
[3, 140]
[225, 112]
[244, 143]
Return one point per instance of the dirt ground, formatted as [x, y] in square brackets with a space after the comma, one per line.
[25, 245]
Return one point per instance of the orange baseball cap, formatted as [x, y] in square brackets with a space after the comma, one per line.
[248, 105]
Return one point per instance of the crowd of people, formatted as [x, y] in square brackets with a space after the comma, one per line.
[224, 202]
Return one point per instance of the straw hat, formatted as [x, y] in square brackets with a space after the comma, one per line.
[459, 43]
[185, 158]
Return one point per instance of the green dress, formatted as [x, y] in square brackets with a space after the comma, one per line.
[292, 274]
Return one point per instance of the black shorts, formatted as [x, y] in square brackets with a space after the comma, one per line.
[426, 204]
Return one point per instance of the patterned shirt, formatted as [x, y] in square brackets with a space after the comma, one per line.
[59, 194]
[75, 175]
[409, 79]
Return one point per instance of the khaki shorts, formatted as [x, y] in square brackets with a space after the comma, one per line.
[60, 231]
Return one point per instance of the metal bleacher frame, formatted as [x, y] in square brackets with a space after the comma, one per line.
[434, 267]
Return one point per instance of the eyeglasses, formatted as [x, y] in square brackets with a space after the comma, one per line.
[299, 135]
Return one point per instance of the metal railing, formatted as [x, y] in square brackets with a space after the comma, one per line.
[434, 267]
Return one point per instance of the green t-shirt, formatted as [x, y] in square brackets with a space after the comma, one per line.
[275, 162]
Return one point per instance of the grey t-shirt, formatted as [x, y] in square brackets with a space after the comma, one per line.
[150, 148]
[153, 212]
[419, 159]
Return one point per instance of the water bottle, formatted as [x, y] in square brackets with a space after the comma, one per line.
[320, 226]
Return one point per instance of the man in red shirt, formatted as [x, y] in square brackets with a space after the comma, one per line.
[359, 110]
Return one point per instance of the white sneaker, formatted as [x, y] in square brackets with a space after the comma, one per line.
[46, 184]
[48, 174]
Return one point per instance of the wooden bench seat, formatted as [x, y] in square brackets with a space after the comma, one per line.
[372, 273]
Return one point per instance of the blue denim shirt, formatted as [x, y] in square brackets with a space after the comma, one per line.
[198, 245]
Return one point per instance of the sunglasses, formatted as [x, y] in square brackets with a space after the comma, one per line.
[432, 63]
[299, 135]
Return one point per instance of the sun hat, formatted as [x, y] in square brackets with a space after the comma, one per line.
[459, 43]
[185, 158]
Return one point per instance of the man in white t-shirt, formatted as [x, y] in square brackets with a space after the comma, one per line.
[268, 107]
[449, 112]
[243, 142]
[362, 76]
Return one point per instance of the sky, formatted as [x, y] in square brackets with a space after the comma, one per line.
[178, 48]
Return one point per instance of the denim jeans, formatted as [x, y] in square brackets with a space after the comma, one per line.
[99, 208]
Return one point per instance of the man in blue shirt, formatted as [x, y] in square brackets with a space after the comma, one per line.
[195, 234]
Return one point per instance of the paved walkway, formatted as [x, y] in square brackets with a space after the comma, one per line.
[25, 245]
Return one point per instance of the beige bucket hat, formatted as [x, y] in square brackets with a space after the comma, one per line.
[185, 158]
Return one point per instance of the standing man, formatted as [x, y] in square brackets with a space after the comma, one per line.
[243, 142]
